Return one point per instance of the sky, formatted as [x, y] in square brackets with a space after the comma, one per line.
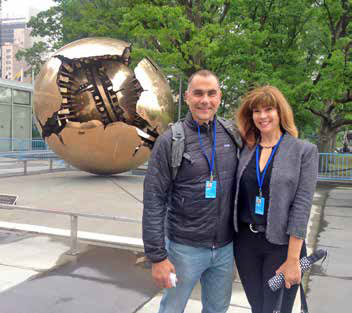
[19, 8]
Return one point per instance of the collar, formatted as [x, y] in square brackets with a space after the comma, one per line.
[189, 121]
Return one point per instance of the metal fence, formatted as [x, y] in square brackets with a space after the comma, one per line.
[24, 149]
[332, 166]
[31, 166]
[28, 156]
[335, 166]
[15, 144]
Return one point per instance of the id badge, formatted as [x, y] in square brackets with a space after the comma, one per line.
[210, 189]
[259, 205]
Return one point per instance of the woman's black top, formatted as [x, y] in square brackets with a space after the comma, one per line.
[248, 191]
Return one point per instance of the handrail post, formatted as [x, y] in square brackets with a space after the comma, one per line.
[74, 245]
[25, 167]
[51, 165]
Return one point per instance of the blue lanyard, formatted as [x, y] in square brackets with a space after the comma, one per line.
[211, 166]
[260, 179]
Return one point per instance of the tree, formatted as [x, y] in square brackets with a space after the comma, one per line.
[263, 45]
[328, 95]
[302, 47]
[181, 36]
[34, 56]
[46, 25]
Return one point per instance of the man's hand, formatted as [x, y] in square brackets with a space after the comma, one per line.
[161, 273]
[292, 272]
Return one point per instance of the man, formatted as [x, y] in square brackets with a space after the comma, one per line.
[198, 204]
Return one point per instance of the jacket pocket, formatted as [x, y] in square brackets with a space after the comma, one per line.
[177, 204]
[194, 165]
[175, 215]
[198, 208]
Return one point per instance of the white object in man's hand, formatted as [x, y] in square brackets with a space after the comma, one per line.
[161, 273]
[173, 279]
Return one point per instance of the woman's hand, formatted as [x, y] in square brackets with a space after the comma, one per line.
[292, 272]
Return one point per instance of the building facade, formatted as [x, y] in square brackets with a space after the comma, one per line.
[14, 36]
[15, 115]
[8, 27]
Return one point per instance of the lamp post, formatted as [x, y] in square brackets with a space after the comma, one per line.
[179, 99]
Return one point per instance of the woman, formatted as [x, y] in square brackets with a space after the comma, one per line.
[276, 179]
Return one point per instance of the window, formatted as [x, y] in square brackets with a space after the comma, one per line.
[5, 95]
[21, 97]
[8, 50]
[8, 62]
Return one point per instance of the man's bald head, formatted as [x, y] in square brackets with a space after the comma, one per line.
[203, 73]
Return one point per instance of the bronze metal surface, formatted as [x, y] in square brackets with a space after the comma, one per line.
[95, 112]
[153, 105]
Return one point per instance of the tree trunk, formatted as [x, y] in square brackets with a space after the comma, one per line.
[327, 138]
[333, 143]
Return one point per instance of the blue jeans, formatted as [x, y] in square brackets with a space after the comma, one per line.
[213, 267]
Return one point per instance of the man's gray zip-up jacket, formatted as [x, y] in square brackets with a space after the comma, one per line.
[292, 185]
[191, 218]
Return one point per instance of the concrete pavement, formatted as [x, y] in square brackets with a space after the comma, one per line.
[23, 259]
[99, 279]
[118, 195]
[330, 286]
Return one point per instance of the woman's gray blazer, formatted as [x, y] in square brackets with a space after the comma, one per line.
[292, 185]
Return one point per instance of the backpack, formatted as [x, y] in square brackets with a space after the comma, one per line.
[178, 142]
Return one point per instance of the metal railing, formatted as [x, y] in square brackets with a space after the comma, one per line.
[332, 166]
[74, 223]
[30, 155]
[15, 144]
[28, 166]
[335, 166]
[33, 161]
[26, 150]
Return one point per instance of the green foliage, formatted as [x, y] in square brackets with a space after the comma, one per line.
[303, 47]
[34, 56]
[47, 24]
[328, 44]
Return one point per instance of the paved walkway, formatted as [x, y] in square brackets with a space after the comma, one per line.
[330, 286]
[25, 257]
[118, 195]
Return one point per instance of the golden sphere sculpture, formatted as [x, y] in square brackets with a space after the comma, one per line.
[95, 112]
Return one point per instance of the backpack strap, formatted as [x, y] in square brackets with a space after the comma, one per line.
[233, 132]
[178, 142]
[177, 147]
